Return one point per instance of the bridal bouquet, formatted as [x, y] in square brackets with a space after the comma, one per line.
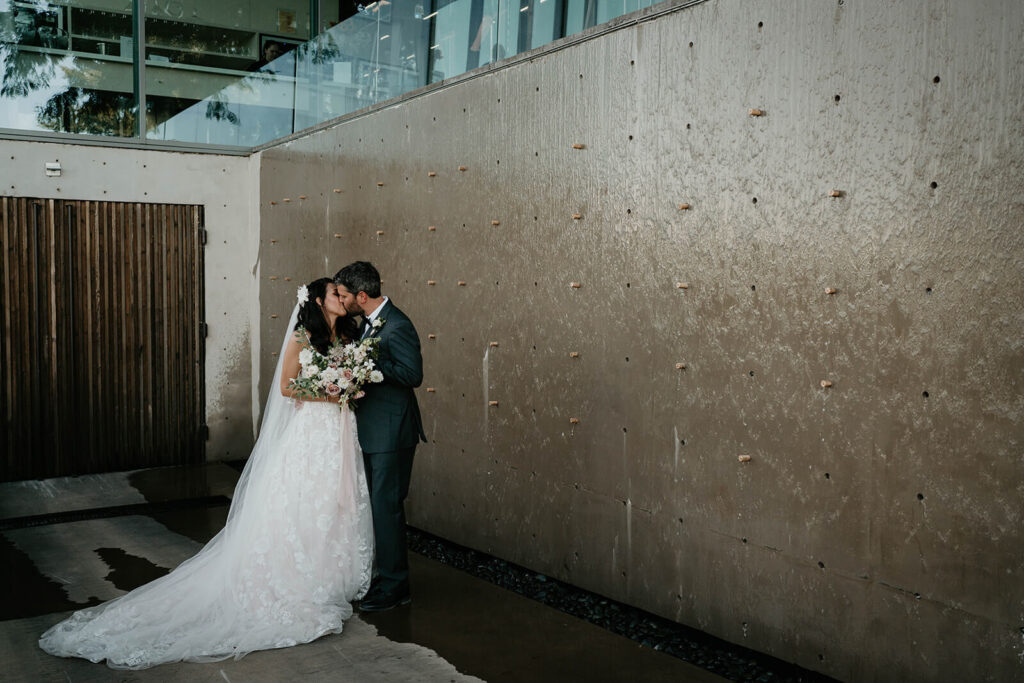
[340, 374]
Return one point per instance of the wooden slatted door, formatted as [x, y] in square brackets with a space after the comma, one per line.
[102, 336]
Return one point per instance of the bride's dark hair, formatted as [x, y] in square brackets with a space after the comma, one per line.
[311, 317]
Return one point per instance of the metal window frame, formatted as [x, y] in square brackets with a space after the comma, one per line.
[139, 65]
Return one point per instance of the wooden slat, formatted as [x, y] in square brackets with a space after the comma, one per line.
[34, 344]
[58, 367]
[6, 280]
[113, 336]
[185, 339]
[121, 364]
[70, 393]
[95, 354]
[184, 371]
[161, 365]
[189, 327]
[141, 321]
[173, 372]
[189, 336]
[146, 322]
[34, 245]
[199, 348]
[173, 288]
[17, 398]
[178, 377]
[11, 301]
[100, 336]
[51, 398]
[22, 352]
[129, 322]
[101, 341]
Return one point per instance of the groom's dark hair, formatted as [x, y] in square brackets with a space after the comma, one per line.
[360, 276]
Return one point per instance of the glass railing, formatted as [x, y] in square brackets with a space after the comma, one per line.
[375, 55]
[240, 74]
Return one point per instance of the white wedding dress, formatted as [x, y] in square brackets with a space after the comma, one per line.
[296, 550]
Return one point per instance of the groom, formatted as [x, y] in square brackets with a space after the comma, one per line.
[389, 424]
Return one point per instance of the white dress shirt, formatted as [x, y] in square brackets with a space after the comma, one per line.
[372, 317]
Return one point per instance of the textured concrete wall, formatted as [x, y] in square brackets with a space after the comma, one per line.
[876, 531]
[225, 186]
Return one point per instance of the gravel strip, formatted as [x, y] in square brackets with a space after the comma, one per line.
[734, 662]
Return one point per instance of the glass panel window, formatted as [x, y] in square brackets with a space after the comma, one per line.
[545, 21]
[526, 24]
[67, 68]
[465, 36]
[223, 72]
[582, 14]
[377, 53]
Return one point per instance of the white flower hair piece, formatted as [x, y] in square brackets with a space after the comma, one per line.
[302, 295]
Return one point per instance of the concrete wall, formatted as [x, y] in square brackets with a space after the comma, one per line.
[225, 186]
[876, 531]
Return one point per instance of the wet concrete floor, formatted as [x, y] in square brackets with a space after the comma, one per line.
[73, 542]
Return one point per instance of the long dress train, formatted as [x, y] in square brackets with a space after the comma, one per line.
[296, 550]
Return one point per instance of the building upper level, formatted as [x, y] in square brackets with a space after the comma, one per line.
[236, 74]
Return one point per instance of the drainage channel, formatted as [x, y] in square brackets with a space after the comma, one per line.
[113, 511]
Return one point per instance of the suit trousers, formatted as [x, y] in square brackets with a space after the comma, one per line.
[388, 475]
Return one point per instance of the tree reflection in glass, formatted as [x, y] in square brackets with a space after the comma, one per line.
[44, 85]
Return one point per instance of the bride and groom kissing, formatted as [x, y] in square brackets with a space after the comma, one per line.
[389, 426]
[318, 506]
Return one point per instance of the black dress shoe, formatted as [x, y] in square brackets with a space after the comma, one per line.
[384, 601]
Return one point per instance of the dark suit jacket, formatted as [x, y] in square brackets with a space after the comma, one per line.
[389, 416]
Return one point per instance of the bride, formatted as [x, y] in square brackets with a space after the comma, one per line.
[297, 548]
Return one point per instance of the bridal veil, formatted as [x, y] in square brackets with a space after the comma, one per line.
[296, 549]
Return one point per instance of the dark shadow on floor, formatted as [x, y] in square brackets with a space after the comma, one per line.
[24, 592]
[127, 571]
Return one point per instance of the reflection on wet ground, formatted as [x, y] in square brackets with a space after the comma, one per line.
[200, 523]
[24, 592]
[190, 502]
[67, 544]
[499, 636]
[128, 572]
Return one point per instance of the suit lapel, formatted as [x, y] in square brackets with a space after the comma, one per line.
[383, 315]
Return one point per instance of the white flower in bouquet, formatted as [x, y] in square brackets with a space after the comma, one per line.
[340, 373]
[330, 376]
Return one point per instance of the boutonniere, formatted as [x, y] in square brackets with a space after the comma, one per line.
[377, 323]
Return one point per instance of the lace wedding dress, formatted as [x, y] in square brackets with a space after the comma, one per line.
[297, 548]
